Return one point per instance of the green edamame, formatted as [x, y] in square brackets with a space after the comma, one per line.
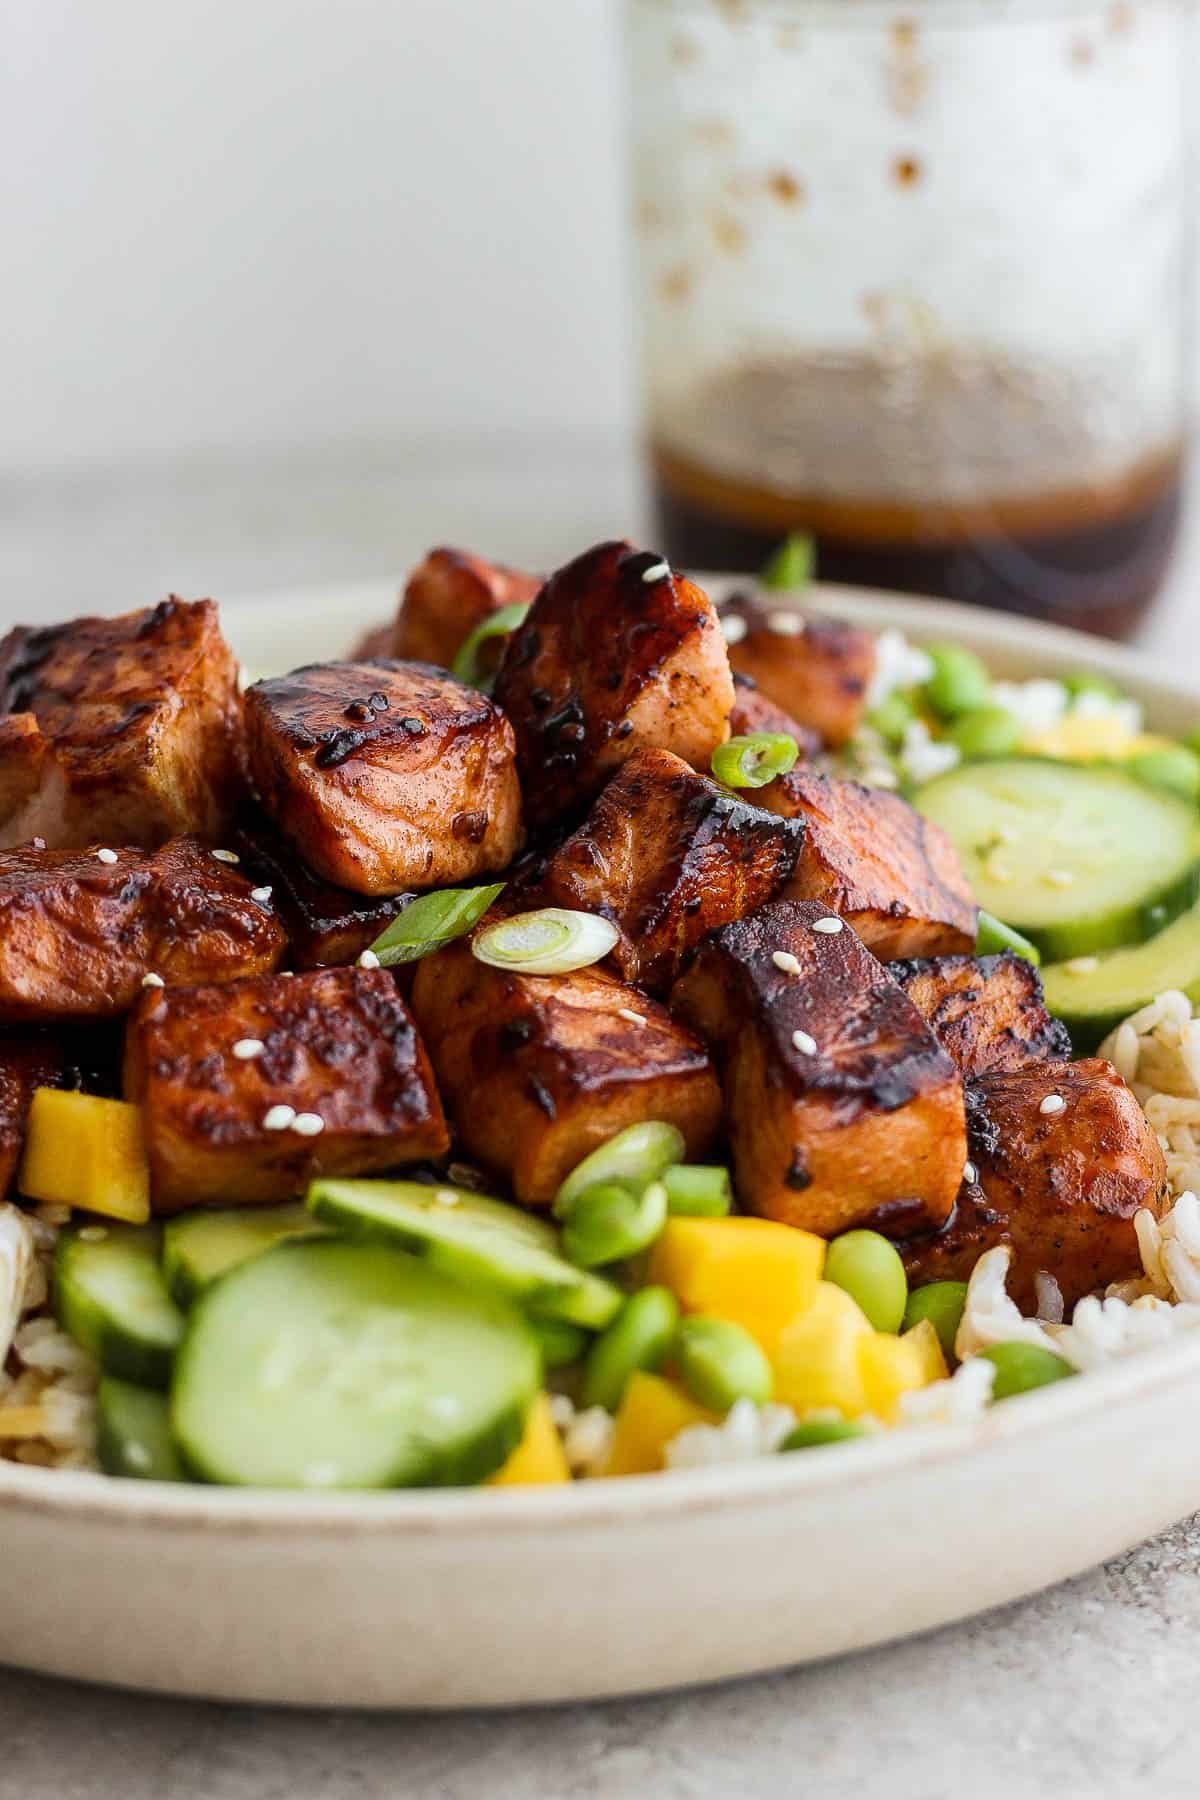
[720, 1363]
[638, 1338]
[869, 1268]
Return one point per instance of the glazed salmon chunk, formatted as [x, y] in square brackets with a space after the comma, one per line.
[446, 597]
[754, 712]
[385, 775]
[816, 669]
[81, 930]
[326, 926]
[986, 1011]
[841, 1106]
[537, 1071]
[1061, 1186]
[122, 730]
[617, 653]
[251, 1091]
[871, 858]
[668, 855]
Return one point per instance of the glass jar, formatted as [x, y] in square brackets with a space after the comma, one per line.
[913, 277]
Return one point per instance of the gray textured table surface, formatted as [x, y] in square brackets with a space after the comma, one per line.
[1084, 1691]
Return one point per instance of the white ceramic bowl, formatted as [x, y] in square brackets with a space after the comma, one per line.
[492, 1597]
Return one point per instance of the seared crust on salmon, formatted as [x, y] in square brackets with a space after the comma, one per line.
[125, 730]
[987, 1011]
[538, 1070]
[78, 934]
[337, 1045]
[446, 597]
[754, 712]
[1061, 1187]
[872, 859]
[667, 856]
[386, 776]
[606, 663]
[815, 668]
[842, 1107]
[326, 926]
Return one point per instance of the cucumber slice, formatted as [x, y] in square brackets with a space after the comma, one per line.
[133, 1433]
[1091, 1001]
[483, 1242]
[1079, 858]
[110, 1296]
[201, 1246]
[325, 1364]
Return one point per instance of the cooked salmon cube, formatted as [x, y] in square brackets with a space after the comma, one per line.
[385, 775]
[872, 859]
[1061, 1186]
[667, 856]
[538, 1070]
[447, 596]
[80, 930]
[616, 654]
[126, 730]
[817, 669]
[326, 926]
[253, 1090]
[842, 1108]
[754, 712]
[986, 1011]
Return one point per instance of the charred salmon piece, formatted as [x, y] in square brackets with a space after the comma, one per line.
[83, 1060]
[1061, 1187]
[446, 597]
[80, 930]
[538, 1070]
[616, 654]
[325, 925]
[753, 712]
[386, 776]
[872, 859]
[986, 1011]
[135, 734]
[376, 642]
[251, 1091]
[667, 856]
[817, 669]
[842, 1107]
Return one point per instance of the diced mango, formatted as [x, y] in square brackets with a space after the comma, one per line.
[757, 1273]
[86, 1152]
[924, 1338]
[891, 1366]
[538, 1460]
[1084, 737]
[652, 1412]
[816, 1358]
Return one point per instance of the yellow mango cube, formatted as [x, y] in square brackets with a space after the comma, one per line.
[539, 1459]
[652, 1412]
[86, 1152]
[1082, 737]
[891, 1366]
[755, 1272]
[816, 1359]
[925, 1340]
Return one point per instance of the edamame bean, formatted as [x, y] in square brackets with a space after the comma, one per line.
[638, 1338]
[959, 682]
[942, 1303]
[988, 731]
[608, 1223]
[892, 717]
[561, 1342]
[699, 1190]
[719, 1363]
[1174, 767]
[869, 1268]
[813, 1432]
[1022, 1367]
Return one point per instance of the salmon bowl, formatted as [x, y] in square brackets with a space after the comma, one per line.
[627, 1583]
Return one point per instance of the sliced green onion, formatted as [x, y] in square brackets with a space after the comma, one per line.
[467, 665]
[552, 941]
[701, 1190]
[992, 935]
[753, 761]
[606, 1224]
[431, 921]
[634, 1157]
[792, 565]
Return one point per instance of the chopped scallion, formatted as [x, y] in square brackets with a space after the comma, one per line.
[993, 935]
[634, 1157]
[431, 921]
[792, 565]
[753, 761]
[703, 1191]
[467, 665]
[551, 941]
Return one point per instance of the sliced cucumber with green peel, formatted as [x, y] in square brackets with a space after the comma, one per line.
[133, 1433]
[110, 1296]
[1078, 858]
[327, 1364]
[478, 1240]
[1091, 1001]
[200, 1247]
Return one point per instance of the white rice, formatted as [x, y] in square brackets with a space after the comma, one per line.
[47, 1383]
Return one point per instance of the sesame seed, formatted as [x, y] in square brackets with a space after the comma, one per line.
[783, 959]
[226, 856]
[447, 1197]
[1058, 878]
[285, 974]
[308, 1124]
[634, 1018]
[1082, 965]
[829, 927]
[246, 1049]
[368, 960]
[805, 1043]
[94, 1234]
[734, 627]
[278, 1118]
[153, 981]
[262, 893]
[786, 624]
[106, 856]
[655, 572]
[970, 1173]
[39, 843]
[1053, 1103]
